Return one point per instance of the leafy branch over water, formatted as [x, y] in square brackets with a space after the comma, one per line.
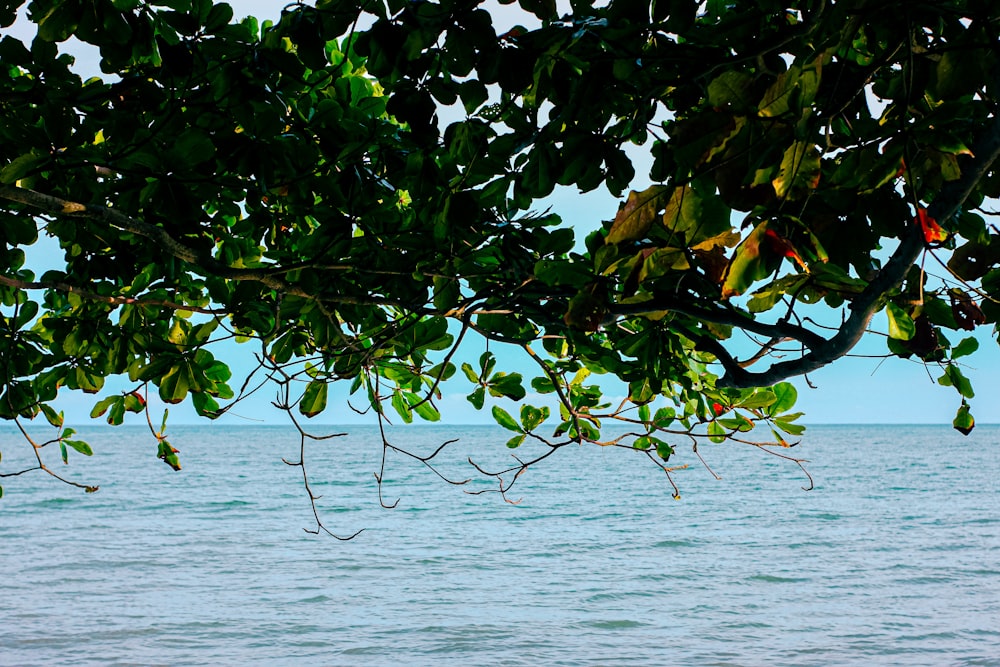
[353, 192]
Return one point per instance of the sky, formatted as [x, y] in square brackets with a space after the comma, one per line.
[852, 390]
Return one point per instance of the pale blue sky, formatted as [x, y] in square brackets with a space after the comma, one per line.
[860, 390]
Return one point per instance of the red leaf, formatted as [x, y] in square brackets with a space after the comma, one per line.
[932, 230]
[779, 245]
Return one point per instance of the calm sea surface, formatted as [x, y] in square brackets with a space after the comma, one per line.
[893, 559]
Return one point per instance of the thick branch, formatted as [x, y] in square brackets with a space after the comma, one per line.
[780, 329]
[945, 206]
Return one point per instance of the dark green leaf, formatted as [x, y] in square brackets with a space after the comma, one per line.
[313, 398]
[507, 385]
[663, 450]
[477, 397]
[966, 347]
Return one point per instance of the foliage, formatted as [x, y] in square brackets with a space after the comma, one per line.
[352, 190]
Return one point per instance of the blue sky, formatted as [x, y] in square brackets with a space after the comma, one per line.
[853, 390]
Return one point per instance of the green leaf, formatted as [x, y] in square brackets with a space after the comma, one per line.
[664, 417]
[516, 441]
[730, 88]
[117, 414]
[446, 293]
[532, 417]
[901, 326]
[134, 402]
[472, 376]
[59, 22]
[313, 398]
[716, 432]
[749, 264]
[441, 371]
[175, 384]
[477, 397]
[503, 418]
[696, 216]
[799, 172]
[424, 409]
[102, 406]
[785, 395]
[193, 147]
[966, 347]
[166, 453]
[663, 450]
[737, 423]
[205, 405]
[542, 385]
[792, 91]
[538, 177]
[760, 398]
[963, 422]
[21, 166]
[789, 427]
[487, 362]
[218, 17]
[510, 386]
[953, 377]
[53, 417]
[80, 446]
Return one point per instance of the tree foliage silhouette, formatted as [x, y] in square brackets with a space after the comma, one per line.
[353, 192]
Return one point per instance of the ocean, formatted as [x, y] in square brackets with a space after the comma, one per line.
[893, 558]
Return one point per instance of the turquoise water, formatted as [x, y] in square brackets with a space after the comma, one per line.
[893, 558]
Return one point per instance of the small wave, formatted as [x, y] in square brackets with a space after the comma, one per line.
[673, 544]
[227, 503]
[314, 599]
[775, 579]
[55, 502]
[601, 597]
[616, 624]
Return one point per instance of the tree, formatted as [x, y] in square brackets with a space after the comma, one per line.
[353, 189]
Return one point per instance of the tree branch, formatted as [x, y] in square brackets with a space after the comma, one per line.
[946, 205]
[113, 300]
[780, 329]
[163, 240]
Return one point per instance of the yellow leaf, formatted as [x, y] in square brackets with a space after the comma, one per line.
[633, 220]
[799, 172]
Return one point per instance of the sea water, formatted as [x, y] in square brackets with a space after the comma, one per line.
[893, 558]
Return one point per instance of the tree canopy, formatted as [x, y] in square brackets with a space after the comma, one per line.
[353, 191]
